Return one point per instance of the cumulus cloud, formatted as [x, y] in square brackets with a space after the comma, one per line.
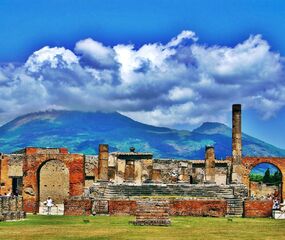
[178, 83]
[95, 53]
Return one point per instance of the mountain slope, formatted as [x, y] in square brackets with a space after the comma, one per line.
[83, 131]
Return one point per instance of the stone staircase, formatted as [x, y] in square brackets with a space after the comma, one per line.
[233, 194]
[235, 207]
[123, 191]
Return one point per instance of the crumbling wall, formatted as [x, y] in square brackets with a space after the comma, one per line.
[171, 171]
[261, 190]
[32, 163]
[11, 208]
[15, 165]
[198, 173]
[54, 181]
[91, 169]
[5, 180]
[77, 207]
[197, 207]
[146, 170]
[221, 174]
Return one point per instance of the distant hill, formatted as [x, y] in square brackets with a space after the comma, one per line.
[83, 131]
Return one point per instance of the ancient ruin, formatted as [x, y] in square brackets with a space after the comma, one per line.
[11, 208]
[117, 182]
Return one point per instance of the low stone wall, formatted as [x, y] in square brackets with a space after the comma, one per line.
[258, 208]
[77, 207]
[122, 207]
[11, 208]
[211, 208]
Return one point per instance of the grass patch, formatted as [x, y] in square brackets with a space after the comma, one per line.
[111, 227]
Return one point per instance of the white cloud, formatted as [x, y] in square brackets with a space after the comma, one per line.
[182, 36]
[53, 57]
[95, 51]
[179, 83]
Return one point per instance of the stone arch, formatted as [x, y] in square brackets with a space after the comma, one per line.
[53, 181]
[248, 163]
[260, 189]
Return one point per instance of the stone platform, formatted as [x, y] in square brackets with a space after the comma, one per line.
[55, 210]
[278, 214]
[233, 194]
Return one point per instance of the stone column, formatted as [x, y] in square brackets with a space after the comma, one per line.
[138, 172]
[120, 173]
[103, 162]
[236, 144]
[210, 164]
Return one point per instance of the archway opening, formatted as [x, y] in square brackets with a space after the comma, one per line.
[265, 182]
[53, 182]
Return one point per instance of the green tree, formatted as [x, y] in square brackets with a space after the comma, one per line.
[266, 178]
[277, 177]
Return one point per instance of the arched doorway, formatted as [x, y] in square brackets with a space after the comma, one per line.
[265, 182]
[53, 181]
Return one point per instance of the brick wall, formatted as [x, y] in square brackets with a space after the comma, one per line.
[32, 166]
[258, 208]
[77, 207]
[122, 207]
[213, 208]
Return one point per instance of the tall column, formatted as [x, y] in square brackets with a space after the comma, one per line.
[236, 144]
[103, 162]
[210, 164]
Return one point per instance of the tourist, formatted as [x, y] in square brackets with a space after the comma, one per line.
[275, 204]
[49, 204]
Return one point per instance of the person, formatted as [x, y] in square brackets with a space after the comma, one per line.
[9, 193]
[49, 204]
[275, 204]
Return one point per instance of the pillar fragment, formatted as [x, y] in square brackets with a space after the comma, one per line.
[236, 144]
[103, 162]
[210, 164]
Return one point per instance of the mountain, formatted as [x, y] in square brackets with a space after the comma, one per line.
[82, 132]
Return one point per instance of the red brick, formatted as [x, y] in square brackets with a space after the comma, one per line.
[258, 208]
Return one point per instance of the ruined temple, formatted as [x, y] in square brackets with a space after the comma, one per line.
[113, 182]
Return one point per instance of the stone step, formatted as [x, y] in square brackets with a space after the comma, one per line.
[121, 191]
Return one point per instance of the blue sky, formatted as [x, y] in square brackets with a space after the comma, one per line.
[262, 167]
[28, 26]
